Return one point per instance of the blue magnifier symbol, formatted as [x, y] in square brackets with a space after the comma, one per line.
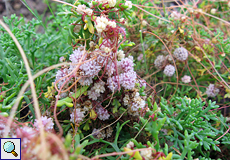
[9, 147]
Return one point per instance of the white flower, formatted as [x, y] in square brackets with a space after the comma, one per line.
[112, 24]
[175, 15]
[93, 95]
[186, 79]
[147, 154]
[81, 9]
[77, 28]
[122, 19]
[98, 134]
[99, 87]
[130, 145]
[144, 22]
[89, 11]
[213, 11]
[129, 4]
[169, 70]
[120, 55]
[91, 43]
[107, 50]
[138, 102]
[61, 59]
[101, 23]
[112, 3]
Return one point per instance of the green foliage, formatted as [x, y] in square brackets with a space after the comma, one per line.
[193, 117]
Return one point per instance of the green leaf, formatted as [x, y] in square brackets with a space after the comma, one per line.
[116, 105]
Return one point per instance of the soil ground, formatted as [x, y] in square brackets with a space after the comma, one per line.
[8, 7]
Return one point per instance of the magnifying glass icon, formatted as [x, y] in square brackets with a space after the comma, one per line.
[9, 147]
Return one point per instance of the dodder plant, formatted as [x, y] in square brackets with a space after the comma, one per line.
[100, 82]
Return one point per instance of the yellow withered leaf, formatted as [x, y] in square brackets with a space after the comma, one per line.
[169, 156]
[93, 114]
[136, 155]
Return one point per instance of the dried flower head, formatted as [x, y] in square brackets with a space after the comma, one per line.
[212, 91]
[181, 53]
[159, 61]
[99, 134]
[169, 70]
[186, 79]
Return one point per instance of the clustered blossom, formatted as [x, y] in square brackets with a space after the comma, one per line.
[169, 70]
[102, 114]
[110, 68]
[111, 3]
[62, 77]
[87, 71]
[128, 79]
[159, 61]
[102, 22]
[99, 134]
[120, 55]
[87, 105]
[147, 154]
[113, 83]
[26, 134]
[125, 65]
[181, 54]
[106, 133]
[129, 4]
[82, 9]
[77, 116]
[130, 145]
[127, 76]
[138, 102]
[101, 62]
[95, 91]
[186, 79]
[47, 123]
[134, 102]
[212, 91]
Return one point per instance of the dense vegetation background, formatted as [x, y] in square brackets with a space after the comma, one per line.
[116, 79]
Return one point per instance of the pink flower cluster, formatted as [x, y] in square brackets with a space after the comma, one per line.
[87, 70]
[212, 91]
[47, 123]
[77, 116]
[127, 76]
[62, 77]
[102, 113]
